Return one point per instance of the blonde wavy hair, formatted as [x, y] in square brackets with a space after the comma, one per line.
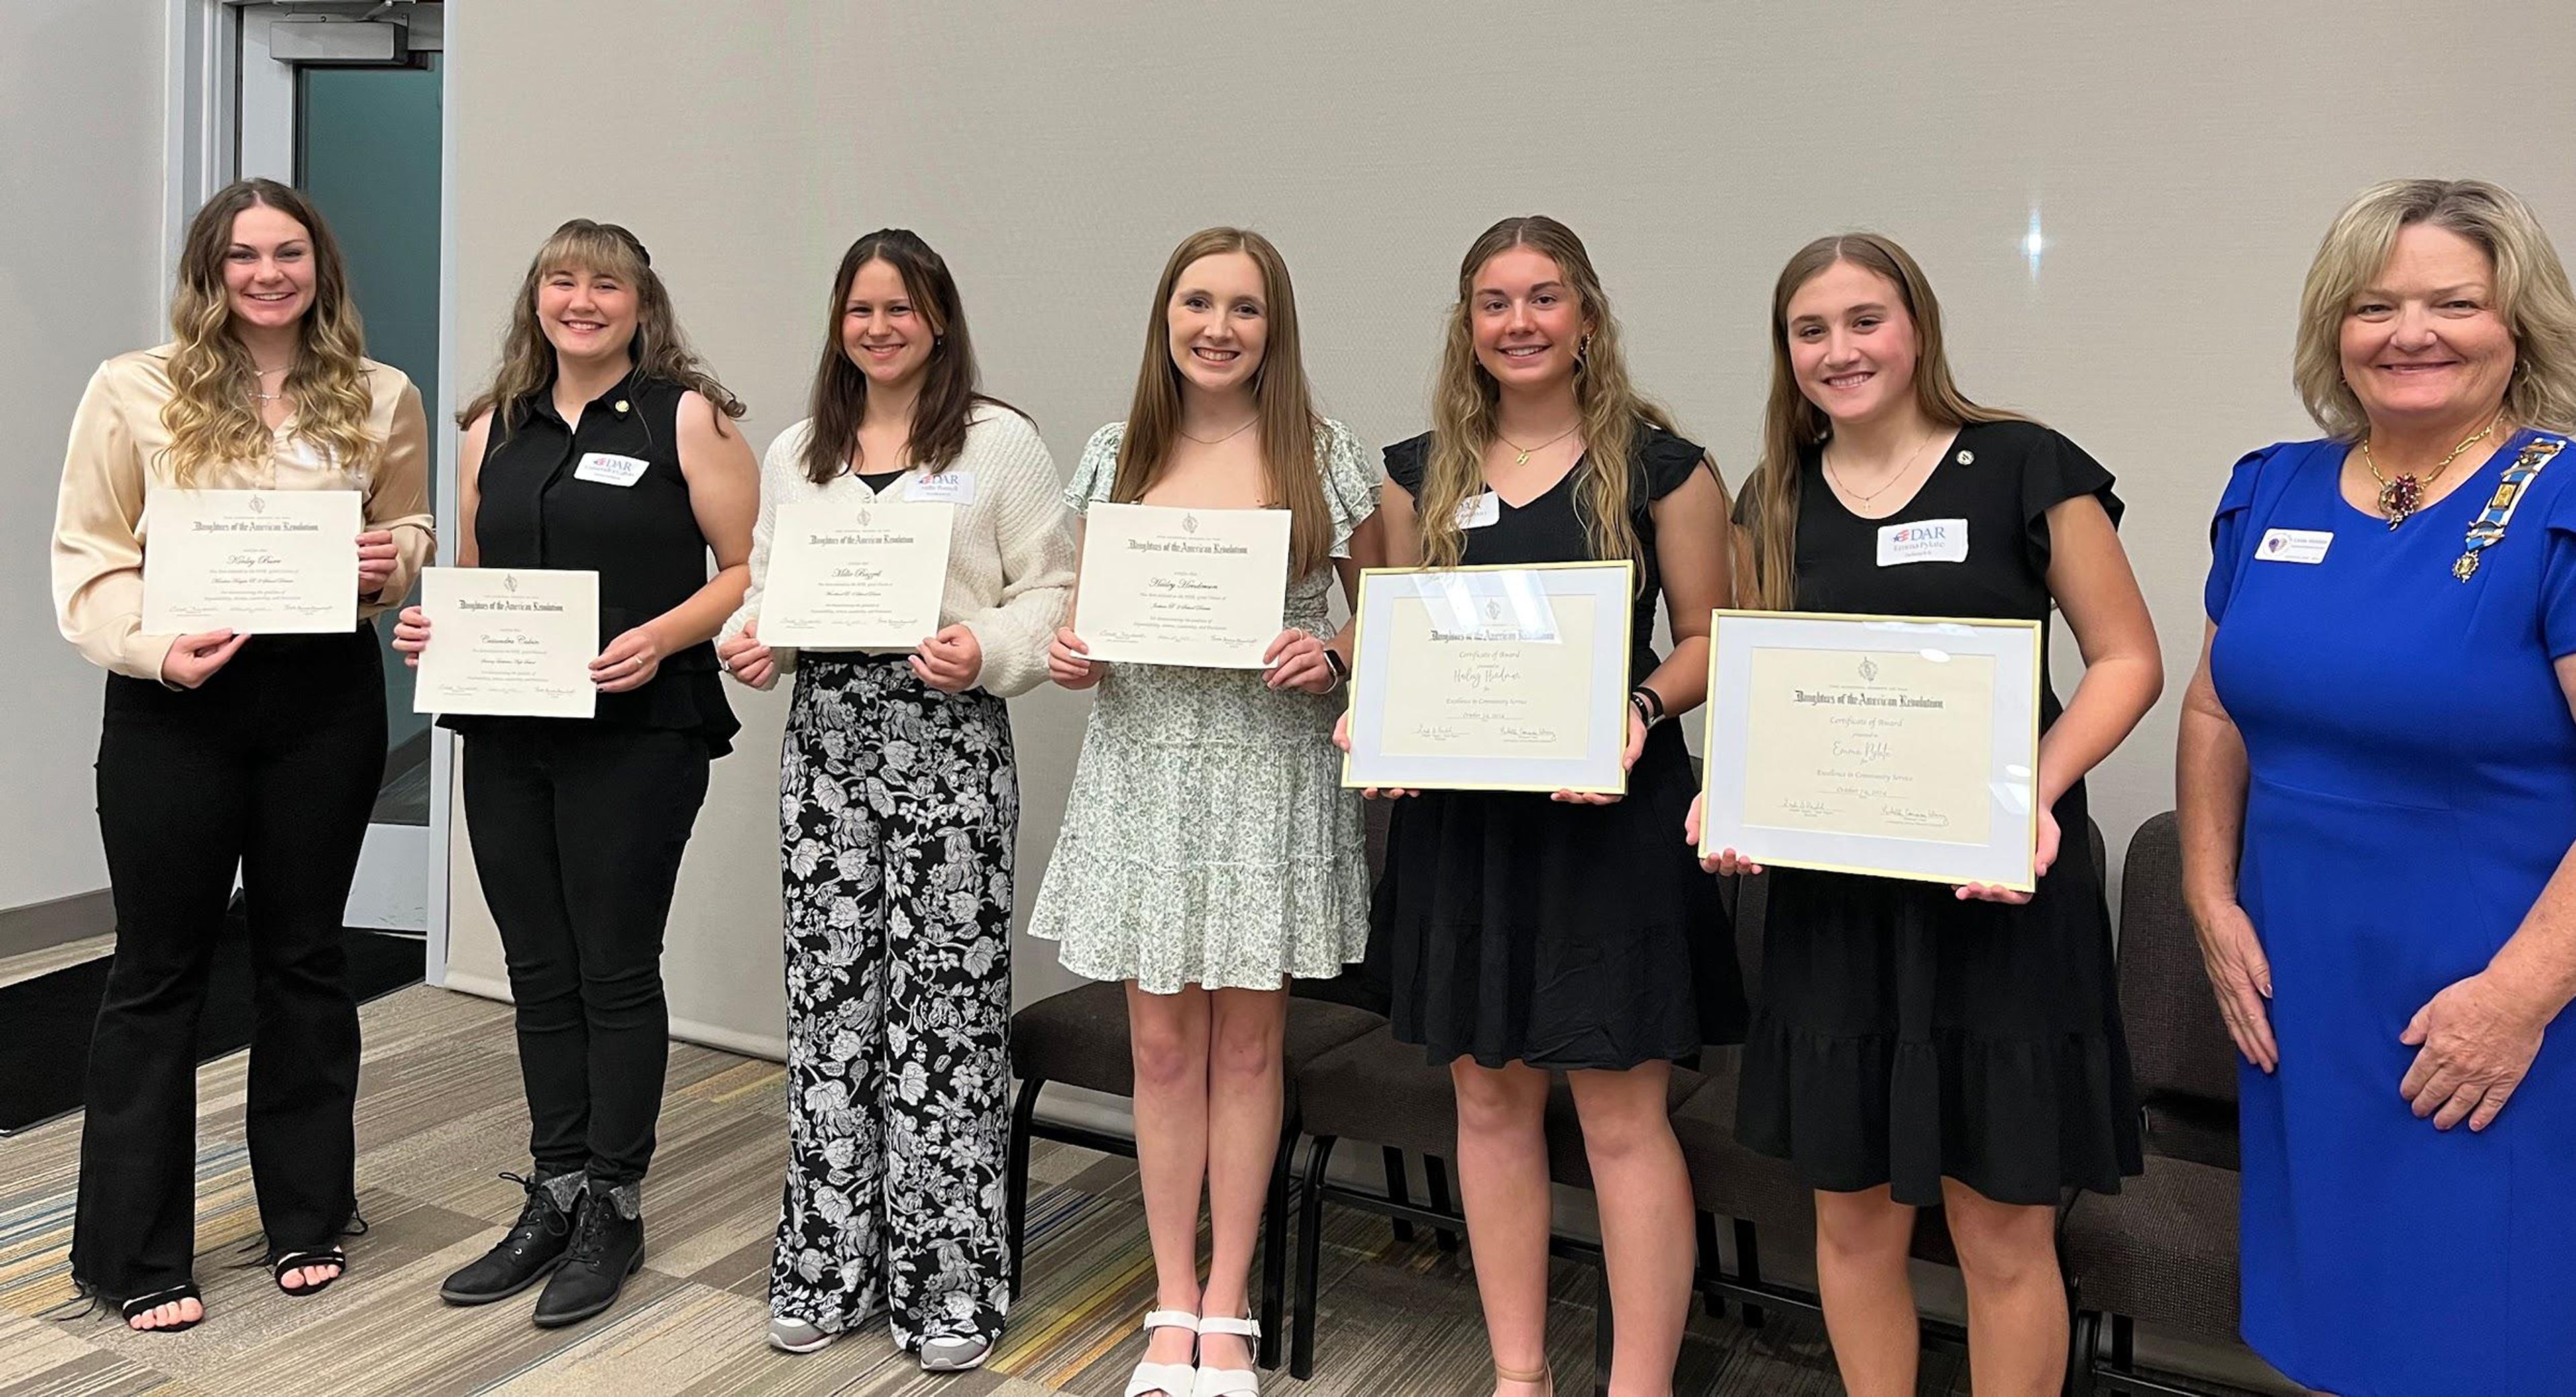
[1463, 399]
[211, 416]
[658, 350]
[2530, 287]
[1280, 397]
[1767, 564]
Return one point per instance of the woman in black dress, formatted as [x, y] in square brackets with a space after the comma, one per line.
[1915, 1045]
[1531, 933]
[602, 445]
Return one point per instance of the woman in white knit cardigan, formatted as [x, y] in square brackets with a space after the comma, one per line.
[898, 805]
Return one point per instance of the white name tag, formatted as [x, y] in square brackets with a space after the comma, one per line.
[1923, 541]
[947, 487]
[610, 470]
[1480, 510]
[2294, 545]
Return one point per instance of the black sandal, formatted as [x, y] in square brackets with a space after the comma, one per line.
[285, 1261]
[186, 1290]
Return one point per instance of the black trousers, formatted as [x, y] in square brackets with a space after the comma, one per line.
[577, 830]
[270, 767]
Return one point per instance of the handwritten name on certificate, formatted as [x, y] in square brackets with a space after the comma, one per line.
[268, 562]
[1889, 743]
[509, 641]
[849, 573]
[1456, 687]
[1202, 587]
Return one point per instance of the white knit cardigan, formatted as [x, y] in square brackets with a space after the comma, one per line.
[1010, 553]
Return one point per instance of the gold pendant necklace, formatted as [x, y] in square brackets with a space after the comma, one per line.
[2401, 497]
[1523, 458]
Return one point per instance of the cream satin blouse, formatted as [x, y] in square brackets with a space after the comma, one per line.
[114, 463]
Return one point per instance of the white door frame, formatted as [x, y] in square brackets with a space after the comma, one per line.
[231, 114]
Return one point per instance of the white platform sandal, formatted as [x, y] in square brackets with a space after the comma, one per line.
[1229, 1382]
[1169, 1379]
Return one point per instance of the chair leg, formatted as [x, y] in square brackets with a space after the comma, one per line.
[1603, 1339]
[2124, 1343]
[1274, 1249]
[1710, 1265]
[1748, 1267]
[2081, 1342]
[1310, 1254]
[1396, 1191]
[1015, 1178]
[1435, 1181]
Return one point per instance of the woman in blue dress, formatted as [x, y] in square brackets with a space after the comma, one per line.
[2378, 803]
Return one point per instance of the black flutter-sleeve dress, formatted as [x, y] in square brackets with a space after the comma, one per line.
[1901, 1035]
[1516, 928]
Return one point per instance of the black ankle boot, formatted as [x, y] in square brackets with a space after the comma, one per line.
[607, 1247]
[532, 1248]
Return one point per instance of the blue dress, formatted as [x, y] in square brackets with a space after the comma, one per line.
[2413, 789]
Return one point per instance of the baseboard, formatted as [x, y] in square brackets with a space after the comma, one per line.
[44, 925]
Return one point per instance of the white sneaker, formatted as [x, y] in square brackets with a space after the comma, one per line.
[1169, 1379]
[1228, 1382]
[954, 1353]
[796, 1336]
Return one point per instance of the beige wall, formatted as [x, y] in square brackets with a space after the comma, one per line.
[2183, 159]
[80, 280]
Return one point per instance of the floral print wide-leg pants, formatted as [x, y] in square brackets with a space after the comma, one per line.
[898, 804]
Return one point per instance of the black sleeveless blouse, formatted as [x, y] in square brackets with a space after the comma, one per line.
[536, 509]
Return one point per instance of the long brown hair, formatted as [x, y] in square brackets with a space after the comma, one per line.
[211, 416]
[658, 350]
[1766, 567]
[948, 398]
[1462, 403]
[1279, 394]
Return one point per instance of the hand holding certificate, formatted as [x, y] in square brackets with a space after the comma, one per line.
[1892, 746]
[508, 641]
[1506, 678]
[265, 562]
[1201, 587]
[856, 574]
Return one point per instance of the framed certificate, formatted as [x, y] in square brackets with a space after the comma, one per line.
[1900, 746]
[1200, 587]
[1492, 678]
[848, 573]
[509, 641]
[269, 562]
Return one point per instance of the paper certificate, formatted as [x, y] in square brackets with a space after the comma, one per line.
[268, 562]
[1892, 746]
[508, 641]
[847, 573]
[1201, 587]
[1510, 678]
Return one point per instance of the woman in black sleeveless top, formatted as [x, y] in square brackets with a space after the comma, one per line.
[601, 446]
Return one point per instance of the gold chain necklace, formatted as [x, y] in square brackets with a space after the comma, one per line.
[1213, 441]
[1890, 484]
[2401, 497]
[1523, 458]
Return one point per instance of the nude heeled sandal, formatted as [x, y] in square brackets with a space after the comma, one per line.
[1228, 1382]
[1170, 1379]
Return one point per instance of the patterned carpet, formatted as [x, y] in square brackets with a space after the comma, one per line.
[439, 1115]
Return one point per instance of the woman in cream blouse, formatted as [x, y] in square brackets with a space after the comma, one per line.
[222, 751]
[898, 811]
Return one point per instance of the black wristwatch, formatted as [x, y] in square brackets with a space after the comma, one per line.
[1341, 668]
[1648, 703]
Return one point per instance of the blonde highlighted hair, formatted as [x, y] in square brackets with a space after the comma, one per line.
[1766, 559]
[1285, 406]
[1462, 403]
[658, 350]
[2531, 294]
[211, 415]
